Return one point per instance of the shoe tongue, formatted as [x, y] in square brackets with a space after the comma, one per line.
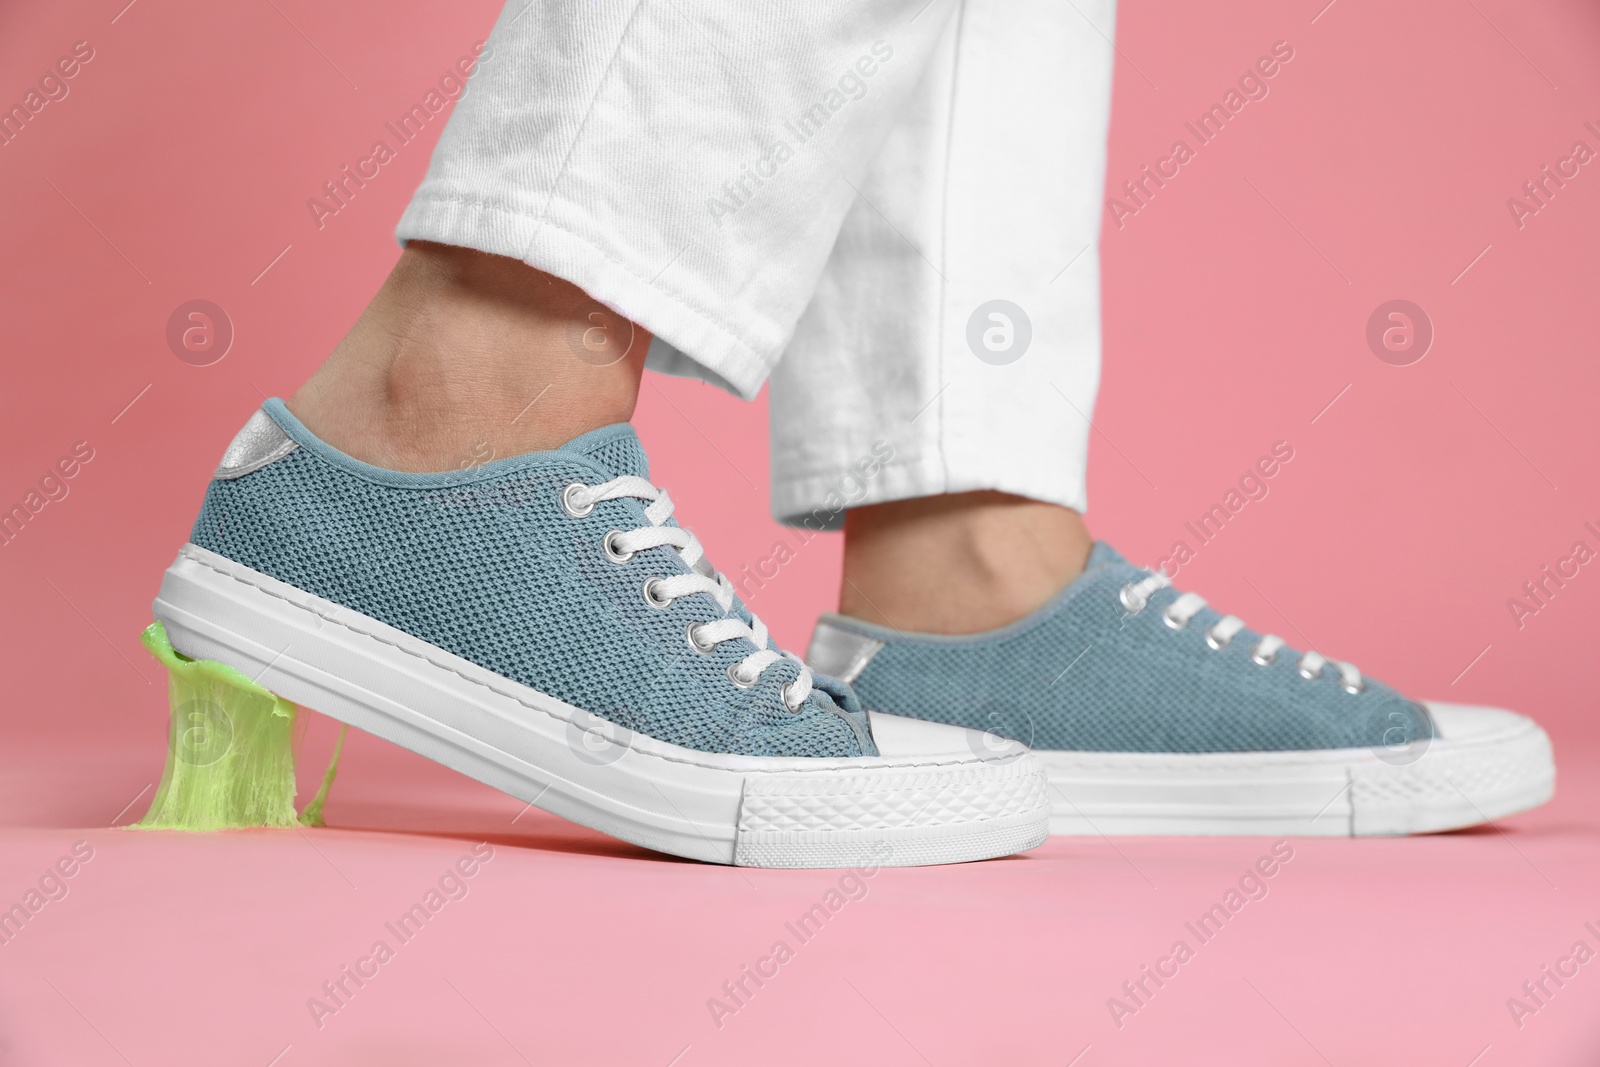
[615, 448]
[1103, 555]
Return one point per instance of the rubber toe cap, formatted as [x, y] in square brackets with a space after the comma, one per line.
[1471, 722]
[900, 737]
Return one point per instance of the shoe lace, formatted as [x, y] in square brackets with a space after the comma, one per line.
[1136, 595]
[620, 545]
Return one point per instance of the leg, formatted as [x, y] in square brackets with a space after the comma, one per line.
[464, 357]
[451, 540]
[694, 189]
[705, 251]
[963, 475]
[973, 199]
[998, 557]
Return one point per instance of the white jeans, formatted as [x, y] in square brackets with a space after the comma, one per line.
[829, 193]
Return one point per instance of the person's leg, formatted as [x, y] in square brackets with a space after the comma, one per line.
[687, 165]
[988, 189]
[538, 230]
[960, 460]
[450, 539]
[958, 563]
[465, 357]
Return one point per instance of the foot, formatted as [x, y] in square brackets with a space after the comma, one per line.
[1154, 714]
[541, 624]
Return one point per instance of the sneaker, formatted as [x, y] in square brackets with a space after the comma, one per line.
[1154, 714]
[541, 624]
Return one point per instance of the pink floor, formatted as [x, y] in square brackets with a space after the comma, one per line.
[568, 947]
[1422, 499]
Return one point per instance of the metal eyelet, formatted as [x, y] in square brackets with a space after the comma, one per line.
[740, 680]
[1310, 676]
[791, 705]
[1262, 661]
[1172, 623]
[1354, 690]
[612, 553]
[568, 506]
[660, 603]
[704, 650]
[1216, 644]
[1131, 601]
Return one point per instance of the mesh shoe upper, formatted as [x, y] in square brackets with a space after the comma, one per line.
[486, 564]
[1085, 672]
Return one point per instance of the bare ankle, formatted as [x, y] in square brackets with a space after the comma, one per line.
[960, 563]
[463, 358]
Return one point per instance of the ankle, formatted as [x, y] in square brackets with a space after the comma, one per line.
[959, 563]
[463, 358]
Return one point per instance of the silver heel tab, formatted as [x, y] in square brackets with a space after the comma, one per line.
[259, 443]
[840, 653]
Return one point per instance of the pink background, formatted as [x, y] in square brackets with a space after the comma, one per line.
[1236, 303]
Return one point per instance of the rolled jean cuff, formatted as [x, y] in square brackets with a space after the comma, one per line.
[819, 501]
[722, 357]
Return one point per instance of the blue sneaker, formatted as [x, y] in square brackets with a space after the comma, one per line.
[1154, 714]
[543, 625]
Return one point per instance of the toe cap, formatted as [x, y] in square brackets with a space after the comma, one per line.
[1471, 722]
[899, 737]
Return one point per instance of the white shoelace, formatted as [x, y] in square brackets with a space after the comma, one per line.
[1177, 614]
[620, 545]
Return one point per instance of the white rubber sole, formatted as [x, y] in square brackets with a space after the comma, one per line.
[1485, 764]
[935, 794]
